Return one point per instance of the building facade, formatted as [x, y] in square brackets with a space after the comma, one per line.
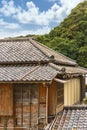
[35, 84]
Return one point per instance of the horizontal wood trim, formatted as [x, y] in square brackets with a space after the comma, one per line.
[60, 81]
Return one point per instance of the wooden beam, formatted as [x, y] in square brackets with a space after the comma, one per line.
[60, 81]
[29, 72]
[10, 82]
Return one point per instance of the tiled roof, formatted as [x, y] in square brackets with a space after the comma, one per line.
[20, 51]
[31, 73]
[70, 118]
[18, 58]
[71, 70]
[60, 58]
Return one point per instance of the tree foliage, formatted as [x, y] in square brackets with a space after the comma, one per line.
[70, 37]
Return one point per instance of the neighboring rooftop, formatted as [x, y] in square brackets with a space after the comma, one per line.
[74, 117]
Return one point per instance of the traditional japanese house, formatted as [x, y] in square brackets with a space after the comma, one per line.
[35, 83]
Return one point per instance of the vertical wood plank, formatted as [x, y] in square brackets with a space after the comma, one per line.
[47, 104]
[52, 103]
[42, 105]
[22, 106]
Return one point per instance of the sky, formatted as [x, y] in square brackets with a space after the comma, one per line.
[22, 17]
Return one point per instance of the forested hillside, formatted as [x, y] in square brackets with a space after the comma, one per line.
[70, 37]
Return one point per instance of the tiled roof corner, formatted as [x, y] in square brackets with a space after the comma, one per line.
[59, 58]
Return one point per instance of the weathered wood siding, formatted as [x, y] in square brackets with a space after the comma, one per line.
[52, 99]
[72, 92]
[42, 104]
[6, 99]
[6, 105]
[26, 105]
[56, 98]
[29, 104]
[22, 105]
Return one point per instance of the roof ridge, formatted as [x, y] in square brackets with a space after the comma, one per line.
[60, 61]
[54, 66]
[56, 52]
[76, 107]
[82, 68]
[36, 45]
[14, 39]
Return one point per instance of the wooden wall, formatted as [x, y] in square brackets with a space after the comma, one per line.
[6, 105]
[22, 106]
[6, 99]
[56, 98]
[42, 105]
[26, 105]
[52, 99]
[72, 92]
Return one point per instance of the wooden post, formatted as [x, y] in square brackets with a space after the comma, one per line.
[22, 106]
[46, 104]
[30, 105]
[82, 88]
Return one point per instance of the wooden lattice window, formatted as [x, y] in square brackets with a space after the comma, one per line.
[6, 99]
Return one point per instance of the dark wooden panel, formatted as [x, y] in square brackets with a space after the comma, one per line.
[52, 101]
[42, 106]
[82, 88]
[6, 100]
[42, 94]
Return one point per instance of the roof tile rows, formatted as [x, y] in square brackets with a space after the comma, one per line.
[27, 73]
[71, 69]
[20, 51]
[69, 119]
[19, 60]
[60, 58]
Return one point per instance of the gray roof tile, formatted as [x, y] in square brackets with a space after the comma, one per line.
[60, 58]
[74, 117]
[20, 51]
[27, 73]
[26, 51]
[70, 69]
